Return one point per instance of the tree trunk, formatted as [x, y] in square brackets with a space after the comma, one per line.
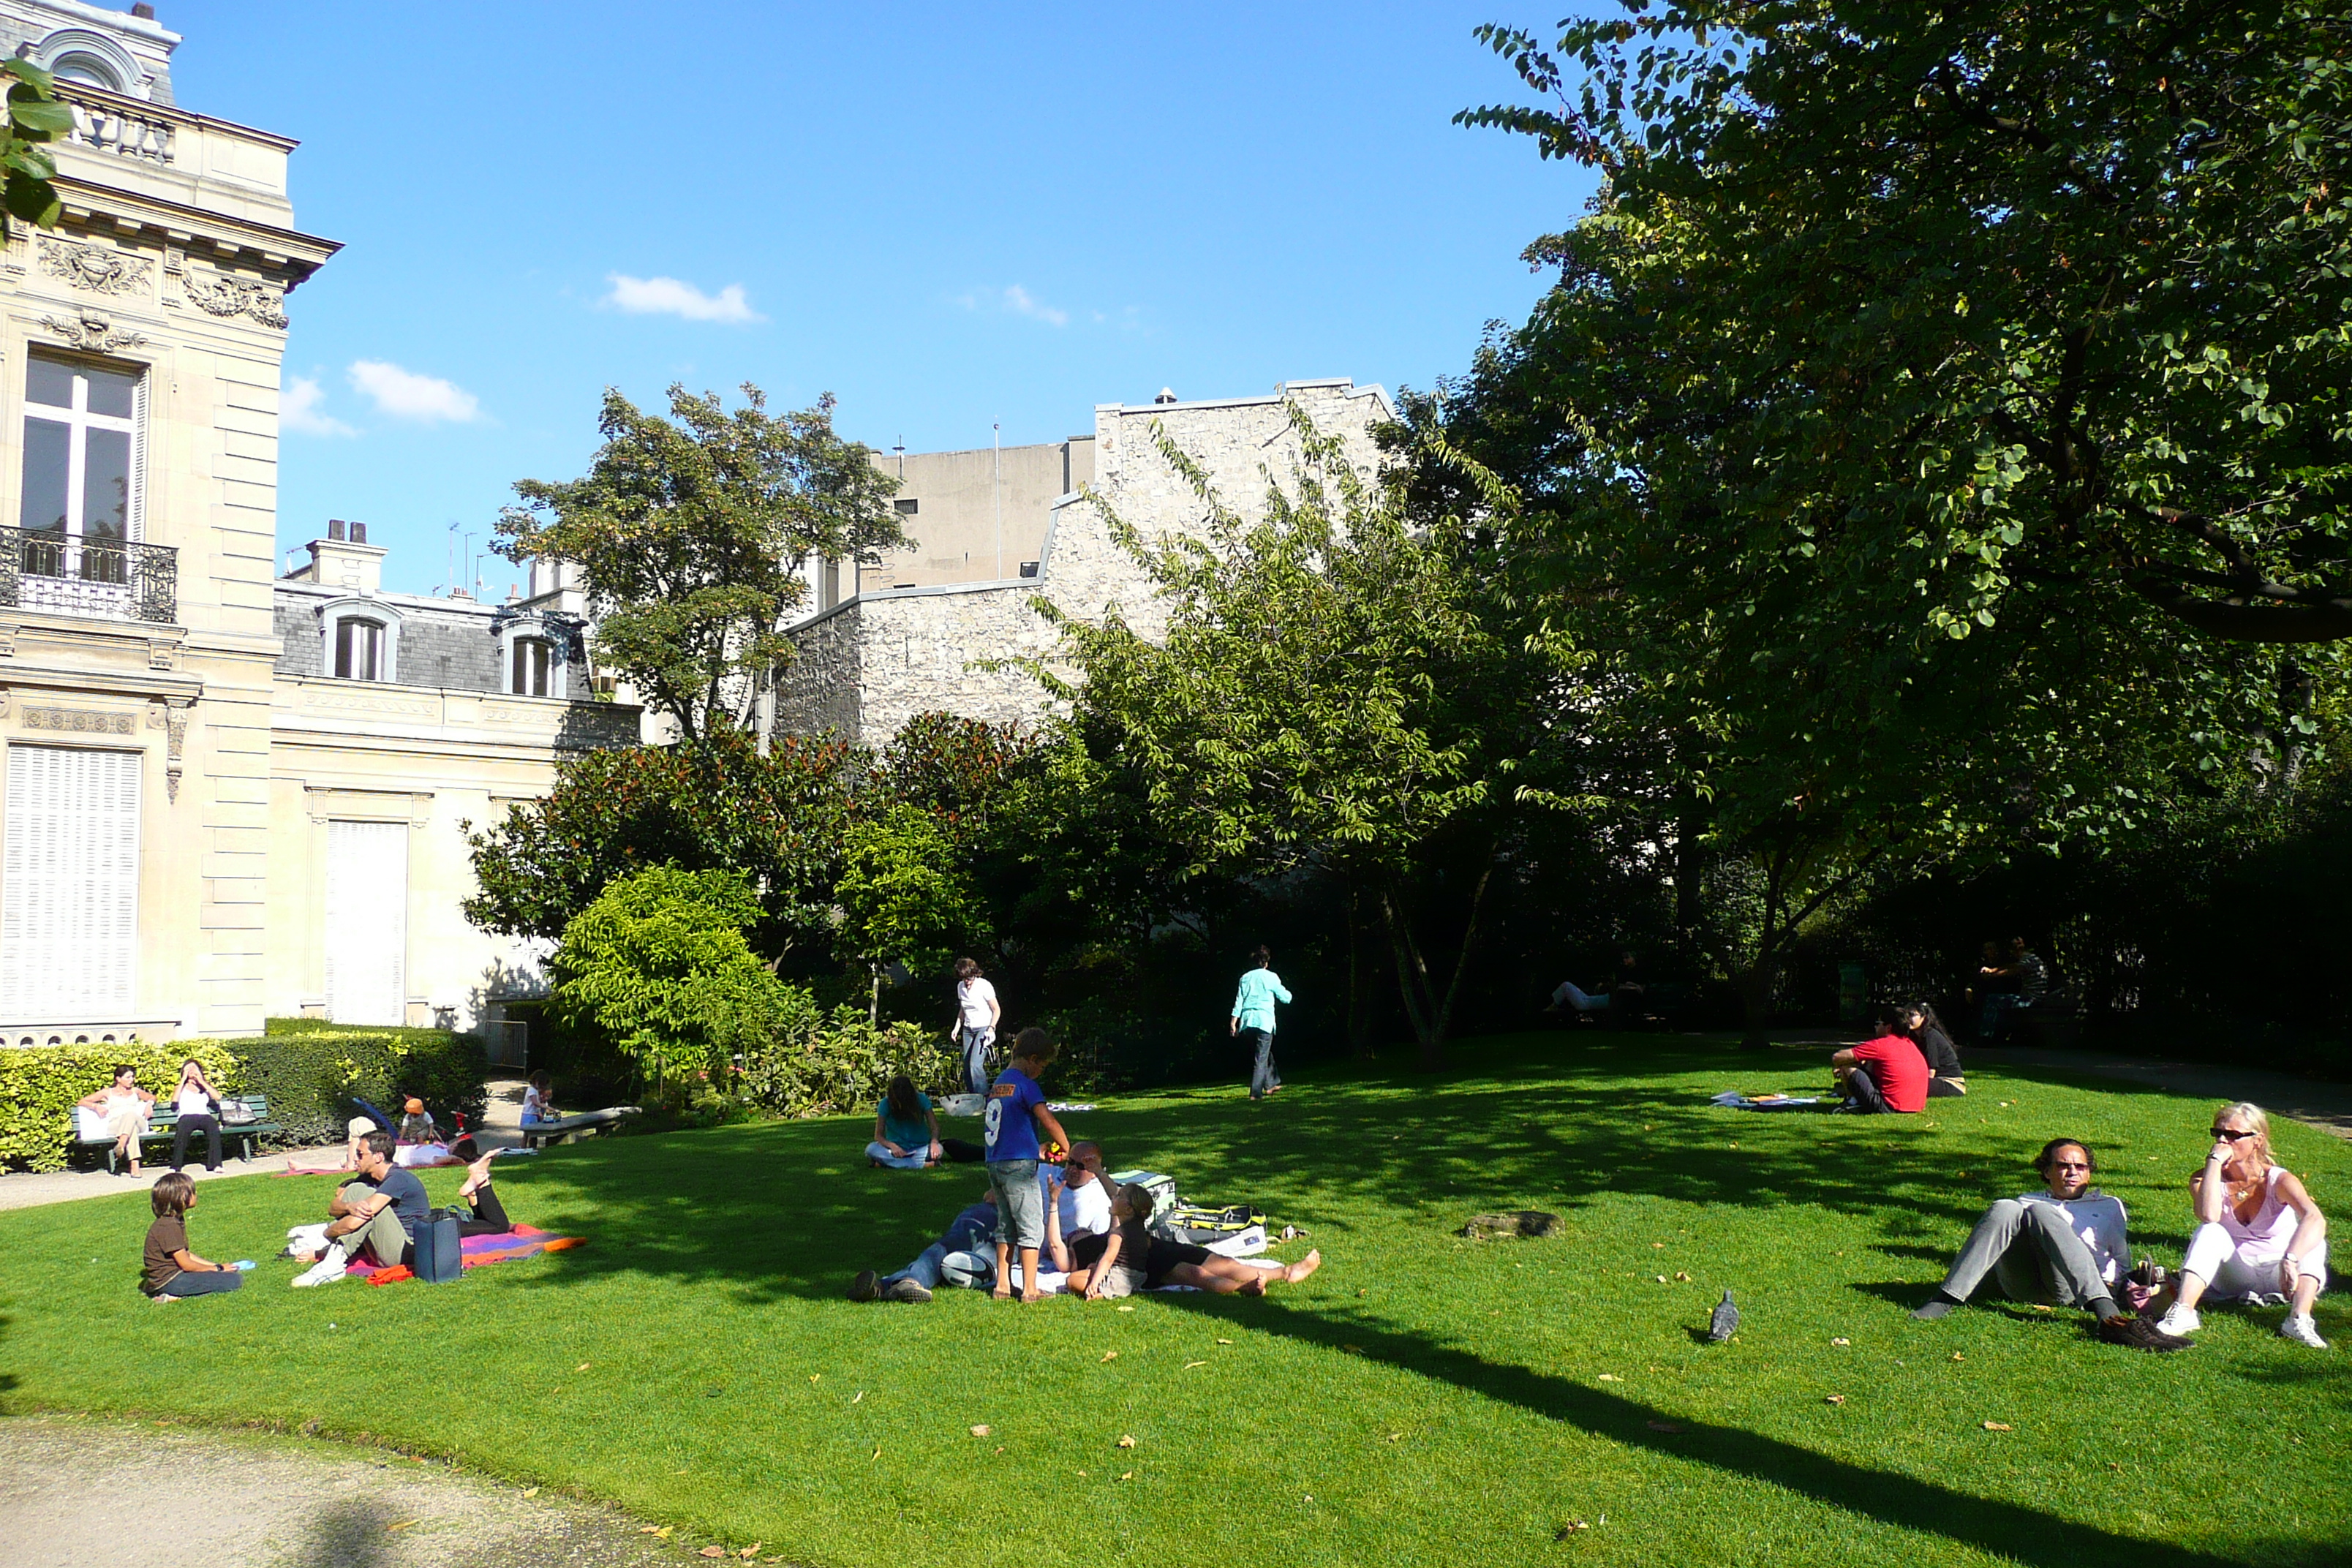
[1433, 1015]
[1756, 985]
[1360, 981]
[874, 995]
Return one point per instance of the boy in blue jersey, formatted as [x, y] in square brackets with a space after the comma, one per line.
[1016, 1113]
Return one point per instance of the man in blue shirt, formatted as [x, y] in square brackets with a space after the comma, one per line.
[1016, 1113]
[1253, 1021]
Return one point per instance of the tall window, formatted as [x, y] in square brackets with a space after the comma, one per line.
[358, 650]
[533, 659]
[81, 424]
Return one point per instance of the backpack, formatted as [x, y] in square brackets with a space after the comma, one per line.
[1202, 1226]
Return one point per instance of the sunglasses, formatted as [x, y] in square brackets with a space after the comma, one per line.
[2070, 1164]
[2224, 1133]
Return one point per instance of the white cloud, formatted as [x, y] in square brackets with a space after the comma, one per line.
[1016, 300]
[671, 296]
[404, 394]
[298, 410]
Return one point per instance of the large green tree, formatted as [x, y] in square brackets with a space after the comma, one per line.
[1989, 300]
[692, 534]
[1338, 691]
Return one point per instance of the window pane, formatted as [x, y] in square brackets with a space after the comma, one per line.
[111, 392]
[515, 672]
[358, 647]
[45, 475]
[106, 485]
[344, 649]
[49, 380]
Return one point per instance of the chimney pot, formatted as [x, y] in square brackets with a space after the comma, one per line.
[335, 528]
[145, 13]
[359, 533]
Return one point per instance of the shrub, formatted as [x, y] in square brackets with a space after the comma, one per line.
[845, 1064]
[38, 1085]
[311, 1076]
[660, 963]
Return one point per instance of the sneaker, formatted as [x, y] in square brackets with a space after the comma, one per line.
[2140, 1334]
[2180, 1321]
[905, 1290]
[328, 1270]
[2301, 1330]
[863, 1287]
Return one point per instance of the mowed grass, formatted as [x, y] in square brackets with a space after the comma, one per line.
[1423, 1400]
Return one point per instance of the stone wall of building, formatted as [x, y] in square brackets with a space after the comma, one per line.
[878, 659]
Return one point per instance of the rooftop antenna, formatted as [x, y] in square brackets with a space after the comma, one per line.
[997, 440]
[451, 585]
[901, 449]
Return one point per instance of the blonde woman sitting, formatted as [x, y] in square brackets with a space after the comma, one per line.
[2259, 1239]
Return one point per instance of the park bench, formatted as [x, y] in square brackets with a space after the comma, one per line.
[164, 1120]
[568, 1129]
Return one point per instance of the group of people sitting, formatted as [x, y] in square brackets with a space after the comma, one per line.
[1907, 1062]
[127, 1109]
[2260, 1241]
[2006, 980]
[1052, 1219]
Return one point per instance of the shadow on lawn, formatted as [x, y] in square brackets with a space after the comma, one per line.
[792, 1210]
[2009, 1529]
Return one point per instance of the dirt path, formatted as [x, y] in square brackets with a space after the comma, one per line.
[74, 1492]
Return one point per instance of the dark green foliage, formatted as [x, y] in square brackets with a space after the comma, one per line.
[719, 803]
[312, 1071]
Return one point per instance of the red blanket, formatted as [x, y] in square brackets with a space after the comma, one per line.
[523, 1241]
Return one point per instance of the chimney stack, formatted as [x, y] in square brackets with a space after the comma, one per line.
[335, 529]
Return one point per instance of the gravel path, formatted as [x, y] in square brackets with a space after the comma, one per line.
[75, 1491]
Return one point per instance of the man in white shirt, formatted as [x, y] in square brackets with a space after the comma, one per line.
[977, 1014]
[2066, 1246]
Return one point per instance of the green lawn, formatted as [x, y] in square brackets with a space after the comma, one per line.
[1423, 1400]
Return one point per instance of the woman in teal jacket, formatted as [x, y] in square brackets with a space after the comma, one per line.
[1253, 1021]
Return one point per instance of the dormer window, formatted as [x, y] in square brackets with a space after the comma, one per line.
[358, 650]
[82, 67]
[530, 667]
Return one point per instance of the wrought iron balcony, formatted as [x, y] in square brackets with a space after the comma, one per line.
[108, 579]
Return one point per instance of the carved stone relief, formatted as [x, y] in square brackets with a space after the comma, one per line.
[100, 269]
[79, 721]
[217, 294]
[94, 331]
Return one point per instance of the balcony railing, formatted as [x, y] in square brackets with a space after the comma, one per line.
[111, 126]
[108, 579]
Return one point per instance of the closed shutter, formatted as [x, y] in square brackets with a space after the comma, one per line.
[70, 882]
[367, 922]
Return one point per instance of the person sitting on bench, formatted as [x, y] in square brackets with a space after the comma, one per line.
[1628, 994]
[2066, 1246]
[375, 1214]
[125, 1106]
[1883, 1073]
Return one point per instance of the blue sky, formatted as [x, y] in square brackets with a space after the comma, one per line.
[945, 215]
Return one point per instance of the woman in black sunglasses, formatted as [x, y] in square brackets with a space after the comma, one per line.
[2260, 1239]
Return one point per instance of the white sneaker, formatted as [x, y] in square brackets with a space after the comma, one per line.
[328, 1270]
[2301, 1330]
[2181, 1322]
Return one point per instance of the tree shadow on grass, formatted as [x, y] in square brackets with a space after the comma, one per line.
[786, 1209]
[2005, 1529]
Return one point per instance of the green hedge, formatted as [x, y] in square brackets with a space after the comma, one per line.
[843, 1064]
[310, 1072]
[39, 1084]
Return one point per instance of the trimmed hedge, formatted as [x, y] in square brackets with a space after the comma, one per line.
[39, 1084]
[310, 1072]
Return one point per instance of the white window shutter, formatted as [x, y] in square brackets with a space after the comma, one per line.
[367, 922]
[70, 882]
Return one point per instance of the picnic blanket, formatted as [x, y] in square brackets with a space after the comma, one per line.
[1733, 1099]
[479, 1252]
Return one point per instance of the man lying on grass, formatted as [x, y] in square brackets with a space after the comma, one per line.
[2064, 1246]
[376, 1213]
[1132, 1258]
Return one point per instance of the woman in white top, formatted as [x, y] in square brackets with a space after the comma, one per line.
[199, 1107]
[977, 1014]
[2259, 1239]
[124, 1105]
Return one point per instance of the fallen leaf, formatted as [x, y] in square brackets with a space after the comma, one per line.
[1663, 1426]
[2114, 1465]
[1840, 1342]
[1999, 1426]
[1353, 1350]
[752, 1550]
[861, 1394]
[1082, 1472]
[980, 1431]
[1000, 1449]
[403, 1524]
[815, 1375]
[1127, 1442]
[877, 1454]
[1129, 1476]
[714, 1552]
[1126, 1309]
[1110, 1355]
[1662, 1279]
[1958, 1356]
[531, 1492]
[1396, 1436]
[1224, 1341]
[1680, 1275]
[663, 1534]
[648, 1530]
[1190, 1365]
[1657, 1243]
[1834, 1399]
[1571, 1528]
[1310, 1497]
[1611, 1377]
[2040, 1306]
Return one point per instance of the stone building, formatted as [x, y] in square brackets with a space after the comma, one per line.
[221, 796]
[871, 662]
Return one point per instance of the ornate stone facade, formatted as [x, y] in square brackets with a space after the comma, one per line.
[97, 269]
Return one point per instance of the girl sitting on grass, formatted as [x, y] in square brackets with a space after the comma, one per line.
[906, 1127]
[169, 1271]
[2259, 1239]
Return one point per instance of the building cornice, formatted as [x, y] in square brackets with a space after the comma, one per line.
[130, 215]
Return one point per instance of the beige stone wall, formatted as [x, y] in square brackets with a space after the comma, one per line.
[875, 661]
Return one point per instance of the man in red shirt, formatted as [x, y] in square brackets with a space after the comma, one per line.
[1886, 1072]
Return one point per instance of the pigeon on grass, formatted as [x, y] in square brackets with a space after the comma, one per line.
[1725, 1322]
